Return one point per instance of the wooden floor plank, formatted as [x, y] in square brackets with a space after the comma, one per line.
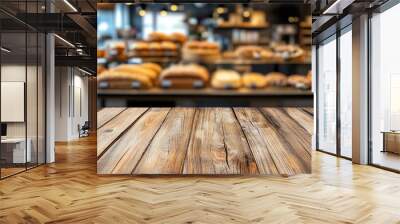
[115, 127]
[166, 153]
[302, 117]
[131, 147]
[271, 154]
[106, 114]
[297, 139]
[218, 145]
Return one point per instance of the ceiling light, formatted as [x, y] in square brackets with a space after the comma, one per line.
[84, 71]
[337, 7]
[64, 40]
[221, 9]
[174, 8]
[142, 12]
[5, 50]
[70, 5]
[163, 12]
[246, 13]
[129, 3]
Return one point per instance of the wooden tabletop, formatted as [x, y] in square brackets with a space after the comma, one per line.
[204, 141]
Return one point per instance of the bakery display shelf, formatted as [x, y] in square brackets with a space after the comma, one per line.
[224, 28]
[209, 91]
[226, 61]
[273, 96]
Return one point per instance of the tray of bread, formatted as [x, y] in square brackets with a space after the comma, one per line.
[200, 51]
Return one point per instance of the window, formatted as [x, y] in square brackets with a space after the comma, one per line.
[385, 89]
[155, 22]
[327, 96]
[346, 93]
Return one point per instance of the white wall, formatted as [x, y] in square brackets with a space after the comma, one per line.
[71, 103]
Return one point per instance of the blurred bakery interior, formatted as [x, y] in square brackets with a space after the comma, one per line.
[198, 54]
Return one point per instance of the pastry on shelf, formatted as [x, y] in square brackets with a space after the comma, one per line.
[173, 37]
[101, 53]
[251, 52]
[288, 52]
[200, 51]
[226, 79]
[140, 48]
[184, 77]
[168, 46]
[158, 36]
[100, 69]
[156, 49]
[153, 66]
[254, 80]
[137, 69]
[276, 79]
[113, 79]
[299, 81]
[178, 37]
[117, 52]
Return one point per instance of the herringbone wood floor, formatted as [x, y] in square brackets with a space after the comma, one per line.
[69, 191]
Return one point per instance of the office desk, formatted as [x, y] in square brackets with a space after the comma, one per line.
[13, 150]
[391, 141]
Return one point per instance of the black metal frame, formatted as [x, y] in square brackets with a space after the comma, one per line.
[29, 29]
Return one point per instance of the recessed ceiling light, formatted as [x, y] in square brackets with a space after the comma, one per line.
[64, 40]
[70, 5]
[84, 71]
[5, 50]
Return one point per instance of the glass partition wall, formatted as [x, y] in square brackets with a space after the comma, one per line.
[334, 93]
[22, 77]
[385, 89]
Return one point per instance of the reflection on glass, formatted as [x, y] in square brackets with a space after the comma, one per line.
[385, 106]
[346, 94]
[327, 96]
[15, 149]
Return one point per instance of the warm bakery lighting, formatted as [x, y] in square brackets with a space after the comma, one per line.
[5, 50]
[70, 5]
[293, 19]
[174, 8]
[246, 13]
[142, 12]
[163, 12]
[220, 10]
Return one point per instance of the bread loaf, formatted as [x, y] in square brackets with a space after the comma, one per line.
[299, 81]
[226, 79]
[254, 80]
[276, 79]
[123, 80]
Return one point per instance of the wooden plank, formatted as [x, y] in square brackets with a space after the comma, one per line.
[302, 117]
[218, 145]
[114, 128]
[106, 114]
[166, 153]
[297, 139]
[309, 110]
[271, 154]
[124, 155]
